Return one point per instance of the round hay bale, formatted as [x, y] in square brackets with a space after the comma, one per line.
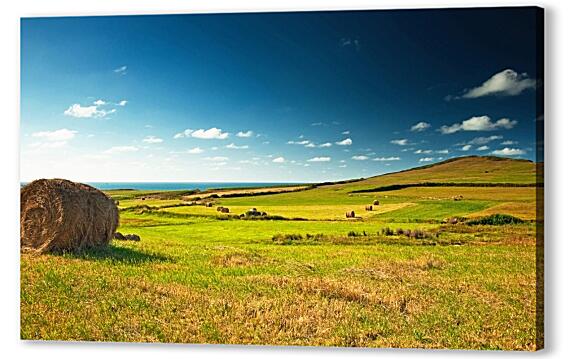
[58, 215]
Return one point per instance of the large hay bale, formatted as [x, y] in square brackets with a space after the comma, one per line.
[58, 215]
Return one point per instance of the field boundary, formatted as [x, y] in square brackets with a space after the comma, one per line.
[395, 187]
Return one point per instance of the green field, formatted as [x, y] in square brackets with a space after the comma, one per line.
[200, 276]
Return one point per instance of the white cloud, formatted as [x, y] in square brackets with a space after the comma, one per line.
[509, 152]
[509, 142]
[304, 142]
[152, 139]
[310, 145]
[400, 142]
[212, 133]
[360, 158]
[420, 126]
[121, 149]
[317, 124]
[326, 144]
[466, 148]
[384, 159]
[195, 151]
[233, 146]
[483, 148]
[507, 83]
[345, 142]
[121, 70]
[478, 123]
[342, 166]
[426, 159]
[484, 140]
[442, 151]
[346, 132]
[186, 133]
[247, 133]
[422, 151]
[78, 111]
[279, 160]
[217, 159]
[99, 103]
[122, 103]
[58, 135]
[319, 159]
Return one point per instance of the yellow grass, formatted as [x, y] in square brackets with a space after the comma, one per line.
[317, 212]
[526, 211]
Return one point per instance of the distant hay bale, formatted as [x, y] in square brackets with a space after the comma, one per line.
[376, 202]
[369, 208]
[58, 215]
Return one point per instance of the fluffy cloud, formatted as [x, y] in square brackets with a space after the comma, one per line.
[420, 126]
[78, 111]
[319, 159]
[400, 142]
[442, 151]
[279, 160]
[58, 135]
[509, 152]
[92, 111]
[345, 142]
[121, 149]
[383, 159]
[466, 148]
[326, 144]
[247, 133]
[360, 158]
[478, 123]
[426, 159]
[346, 132]
[483, 148]
[186, 133]
[484, 140]
[152, 139]
[506, 83]
[212, 133]
[422, 151]
[509, 142]
[233, 146]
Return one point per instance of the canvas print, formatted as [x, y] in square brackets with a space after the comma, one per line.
[328, 178]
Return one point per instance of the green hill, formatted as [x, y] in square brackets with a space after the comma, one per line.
[467, 170]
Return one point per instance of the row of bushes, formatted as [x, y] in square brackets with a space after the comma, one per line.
[394, 187]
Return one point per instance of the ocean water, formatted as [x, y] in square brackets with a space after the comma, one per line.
[155, 186]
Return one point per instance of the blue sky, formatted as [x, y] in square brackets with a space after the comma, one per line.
[284, 97]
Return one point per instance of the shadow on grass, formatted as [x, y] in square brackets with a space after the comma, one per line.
[119, 255]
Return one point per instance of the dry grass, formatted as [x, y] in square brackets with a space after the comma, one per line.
[522, 210]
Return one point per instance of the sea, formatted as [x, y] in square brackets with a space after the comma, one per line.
[164, 186]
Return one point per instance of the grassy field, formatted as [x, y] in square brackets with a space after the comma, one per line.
[199, 276]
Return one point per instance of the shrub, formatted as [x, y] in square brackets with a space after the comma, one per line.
[496, 220]
[387, 231]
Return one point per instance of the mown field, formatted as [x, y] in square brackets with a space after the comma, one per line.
[312, 276]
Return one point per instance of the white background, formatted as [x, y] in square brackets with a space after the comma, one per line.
[557, 118]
